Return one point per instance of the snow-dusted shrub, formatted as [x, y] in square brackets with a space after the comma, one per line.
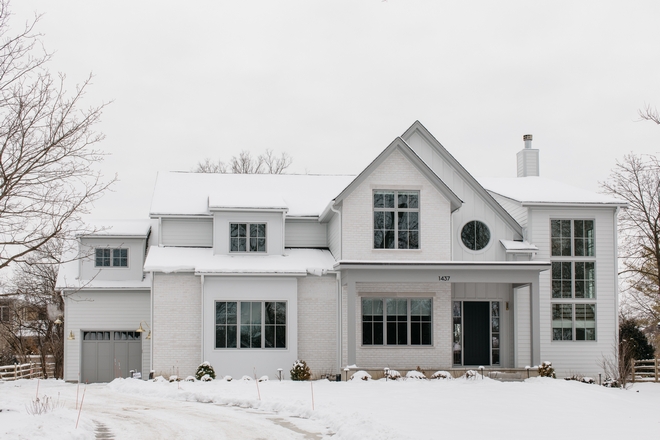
[546, 370]
[588, 380]
[205, 368]
[206, 378]
[43, 405]
[471, 374]
[415, 375]
[361, 375]
[392, 375]
[263, 379]
[228, 378]
[160, 379]
[246, 377]
[442, 375]
[174, 378]
[611, 383]
[190, 379]
[300, 371]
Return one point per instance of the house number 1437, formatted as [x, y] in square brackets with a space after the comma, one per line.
[444, 278]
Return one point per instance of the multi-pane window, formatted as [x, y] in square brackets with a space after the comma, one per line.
[396, 219]
[573, 278]
[574, 322]
[247, 237]
[475, 235]
[407, 321]
[107, 257]
[4, 313]
[572, 238]
[495, 332]
[250, 324]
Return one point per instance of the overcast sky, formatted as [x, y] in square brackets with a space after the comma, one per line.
[332, 83]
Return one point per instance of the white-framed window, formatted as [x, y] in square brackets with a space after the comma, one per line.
[250, 324]
[247, 237]
[574, 322]
[109, 257]
[396, 219]
[397, 321]
[572, 238]
[475, 235]
[572, 253]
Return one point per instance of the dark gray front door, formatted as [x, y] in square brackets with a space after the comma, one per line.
[476, 342]
[107, 355]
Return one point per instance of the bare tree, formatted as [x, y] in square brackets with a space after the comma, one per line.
[245, 163]
[48, 159]
[636, 179]
[32, 327]
[649, 113]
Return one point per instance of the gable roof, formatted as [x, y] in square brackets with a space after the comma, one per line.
[400, 145]
[418, 128]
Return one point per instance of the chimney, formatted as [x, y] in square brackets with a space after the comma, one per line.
[528, 159]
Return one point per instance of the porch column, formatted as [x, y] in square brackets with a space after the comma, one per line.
[351, 318]
[535, 322]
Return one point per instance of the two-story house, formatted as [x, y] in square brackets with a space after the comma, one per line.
[413, 262]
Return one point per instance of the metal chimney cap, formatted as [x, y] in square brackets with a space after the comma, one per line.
[527, 137]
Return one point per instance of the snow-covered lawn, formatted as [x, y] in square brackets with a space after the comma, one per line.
[538, 408]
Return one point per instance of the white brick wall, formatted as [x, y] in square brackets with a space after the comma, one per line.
[434, 357]
[317, 323]
[176, 335]
[396, 172]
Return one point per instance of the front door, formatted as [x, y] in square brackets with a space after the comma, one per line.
[476, 334]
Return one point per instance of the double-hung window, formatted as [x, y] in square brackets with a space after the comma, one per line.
[396, 219]
[396, 321]
[247, 237]
[573, 280]
[107, 257]
[250, 324]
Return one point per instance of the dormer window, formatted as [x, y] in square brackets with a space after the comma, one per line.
[247, 237]
[396, 219]
[106, 257]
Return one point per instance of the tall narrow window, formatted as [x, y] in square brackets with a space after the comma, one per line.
[225, 324]
[457, 333]
[397, 321]
[372, 321]
[562, 322]
[275, 325]
[396, 219]
[495, 332]
[250, 325]
[584, 238]
[420, 321]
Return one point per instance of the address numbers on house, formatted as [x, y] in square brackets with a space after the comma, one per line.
[443, 278]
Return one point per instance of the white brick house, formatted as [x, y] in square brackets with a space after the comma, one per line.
[411, 263]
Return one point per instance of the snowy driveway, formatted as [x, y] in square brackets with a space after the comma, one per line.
[131, 416]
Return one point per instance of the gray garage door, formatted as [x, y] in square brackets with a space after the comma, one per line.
[107, 355]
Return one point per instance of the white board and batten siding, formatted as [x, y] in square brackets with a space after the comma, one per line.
[514, 208]
[122, 310]
[334, 236]
[305, 234]
[579, 357]
[474, 207]
[187, 232]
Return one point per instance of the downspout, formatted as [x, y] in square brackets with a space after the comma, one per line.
[340, 326]
[202, 319]
[160, 231]
[151, 318]
[616, 276]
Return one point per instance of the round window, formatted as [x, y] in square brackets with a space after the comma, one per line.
[475, 235]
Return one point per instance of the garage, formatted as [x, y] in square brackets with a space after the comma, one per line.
[107, 355]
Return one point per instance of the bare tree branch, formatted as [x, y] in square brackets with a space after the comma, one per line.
[245, 163]
[48, 157]
[649, 113]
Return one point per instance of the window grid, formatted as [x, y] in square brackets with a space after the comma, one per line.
[247, 237]
[109, 257]
[396, 219]
[408, 321]
[573, 322]
[250, 324]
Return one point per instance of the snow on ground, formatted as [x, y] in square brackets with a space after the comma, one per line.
[538, 408]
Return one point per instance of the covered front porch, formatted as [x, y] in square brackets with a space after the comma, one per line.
[442, 315]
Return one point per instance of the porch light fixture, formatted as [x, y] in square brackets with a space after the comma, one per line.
[140, 329]
[71, 336]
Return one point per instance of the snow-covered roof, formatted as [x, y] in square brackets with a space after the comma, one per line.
[519, 246]
[181, 193]
[123, 228]
[531, 190]
[295, 261]
[67, 279]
